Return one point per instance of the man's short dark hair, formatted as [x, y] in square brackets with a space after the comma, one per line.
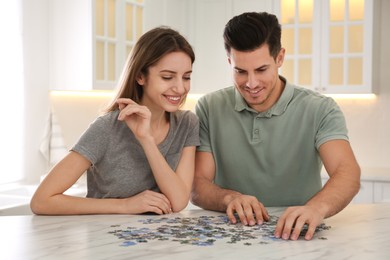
[249, 31]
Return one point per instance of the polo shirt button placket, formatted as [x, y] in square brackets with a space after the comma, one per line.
[256, 135]
[256, 130]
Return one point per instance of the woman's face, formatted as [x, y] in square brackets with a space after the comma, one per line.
[167, 83]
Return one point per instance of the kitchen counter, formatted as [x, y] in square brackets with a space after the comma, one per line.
[358, 232]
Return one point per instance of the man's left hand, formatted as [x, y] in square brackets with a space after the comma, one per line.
[292, 221]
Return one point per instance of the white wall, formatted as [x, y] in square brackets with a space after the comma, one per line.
[369, 121]
[36, 71]
[12, 88]
[70, 20]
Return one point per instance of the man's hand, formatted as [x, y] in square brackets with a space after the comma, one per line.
[290, 224]
[249, 210]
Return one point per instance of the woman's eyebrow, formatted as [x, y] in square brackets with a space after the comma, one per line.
[175, 72]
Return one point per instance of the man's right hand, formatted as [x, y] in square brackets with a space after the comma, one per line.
[250, 211]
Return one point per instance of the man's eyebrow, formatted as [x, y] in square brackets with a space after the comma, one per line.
[237, 68]
[259, 68]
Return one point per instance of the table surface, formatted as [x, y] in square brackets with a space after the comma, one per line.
[358, 232]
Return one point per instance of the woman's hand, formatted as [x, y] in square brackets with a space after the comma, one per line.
[148, 201]
[137, 117]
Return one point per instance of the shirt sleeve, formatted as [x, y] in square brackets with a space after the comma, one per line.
[193, 130]
[201, 110]
[332, 125]
[93, 142]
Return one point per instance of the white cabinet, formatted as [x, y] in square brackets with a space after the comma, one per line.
[381, 192]
[374, 185]
[366, 193]
[329, 44]
[373, 192]
[90, 41]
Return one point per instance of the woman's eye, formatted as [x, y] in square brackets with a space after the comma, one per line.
[166, 78]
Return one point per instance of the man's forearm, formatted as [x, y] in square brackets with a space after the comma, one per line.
[209, 196]
[336, 194]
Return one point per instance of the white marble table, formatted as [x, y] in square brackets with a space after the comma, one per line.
[358, 232]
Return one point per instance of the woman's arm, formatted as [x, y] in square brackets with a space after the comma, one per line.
[175, 185]
[49, 198]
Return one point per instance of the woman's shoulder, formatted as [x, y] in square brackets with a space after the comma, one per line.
[185, 116]
[105, 121]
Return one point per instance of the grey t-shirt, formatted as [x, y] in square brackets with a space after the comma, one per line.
[119, 167]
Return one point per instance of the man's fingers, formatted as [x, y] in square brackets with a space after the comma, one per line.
[310, 232]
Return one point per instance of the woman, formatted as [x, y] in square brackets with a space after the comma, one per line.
[140, 155]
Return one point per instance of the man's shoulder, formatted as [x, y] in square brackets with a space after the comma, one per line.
[310, 96]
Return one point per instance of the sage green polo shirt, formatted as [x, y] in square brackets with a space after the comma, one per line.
[272, 155]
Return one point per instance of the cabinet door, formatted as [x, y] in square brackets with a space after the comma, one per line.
[366, 193]
[346, 44]
[117, 25]
[300, 36]
[329, 44]
[382, 192]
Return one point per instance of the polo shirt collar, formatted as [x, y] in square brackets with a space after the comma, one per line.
[277, 109]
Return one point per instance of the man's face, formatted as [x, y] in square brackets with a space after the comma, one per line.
[255, 75]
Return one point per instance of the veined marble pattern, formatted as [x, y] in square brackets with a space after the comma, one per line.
[358, 232]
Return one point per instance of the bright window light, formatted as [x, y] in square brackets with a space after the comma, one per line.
[12, 96]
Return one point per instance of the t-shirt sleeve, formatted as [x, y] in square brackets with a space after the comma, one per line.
[201, 110]
[332, 125]
[93, 142]
[193, 131]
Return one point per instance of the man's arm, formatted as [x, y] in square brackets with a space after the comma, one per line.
[344, 178]
[342, 186]
[208, 195]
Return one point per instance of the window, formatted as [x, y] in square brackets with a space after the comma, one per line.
[12, 102]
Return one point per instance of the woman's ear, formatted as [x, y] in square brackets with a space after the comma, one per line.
[141, 79]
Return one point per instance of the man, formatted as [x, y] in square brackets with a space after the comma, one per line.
[264, 141]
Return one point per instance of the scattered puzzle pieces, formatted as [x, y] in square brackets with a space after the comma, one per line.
[200, 231]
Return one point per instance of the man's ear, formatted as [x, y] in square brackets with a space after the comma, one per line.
[280, 57]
